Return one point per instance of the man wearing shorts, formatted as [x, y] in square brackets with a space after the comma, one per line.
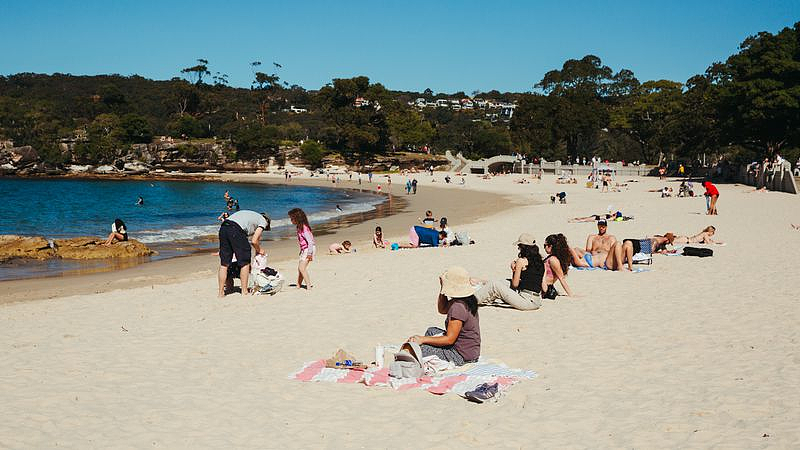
[236, 234]
[597, 248]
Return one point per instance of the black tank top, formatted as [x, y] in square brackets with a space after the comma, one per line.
[530, 279]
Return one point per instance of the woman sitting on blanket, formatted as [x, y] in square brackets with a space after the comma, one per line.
[703, 237]
[460, 342]
[623, 252]
[526, 279]
[556, 265]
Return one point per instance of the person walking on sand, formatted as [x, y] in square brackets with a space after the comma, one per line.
[307, 246]
[237, 233]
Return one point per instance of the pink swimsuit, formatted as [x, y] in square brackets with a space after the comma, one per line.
[306, 241]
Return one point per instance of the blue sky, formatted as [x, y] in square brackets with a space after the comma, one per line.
[447, 46]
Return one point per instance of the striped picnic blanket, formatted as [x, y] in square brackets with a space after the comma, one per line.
[457, 381]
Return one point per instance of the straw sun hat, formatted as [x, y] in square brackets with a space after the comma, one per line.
[455, 283]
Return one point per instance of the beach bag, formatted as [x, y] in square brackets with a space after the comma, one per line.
[462, 238]
[697, 251]
[267, 281]
[551, 293]
[407, 362]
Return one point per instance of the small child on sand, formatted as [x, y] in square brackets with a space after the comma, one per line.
[377, 239]
[307, 245]
[337, 248]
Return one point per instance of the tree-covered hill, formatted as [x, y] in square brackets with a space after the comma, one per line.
[745, 107]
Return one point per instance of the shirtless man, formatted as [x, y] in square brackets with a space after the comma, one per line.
[597, 248]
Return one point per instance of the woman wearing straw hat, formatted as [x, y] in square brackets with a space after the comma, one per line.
[523, 292]
[460, 341]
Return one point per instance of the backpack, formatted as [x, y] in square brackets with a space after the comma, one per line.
[407, 362]
[697, 251]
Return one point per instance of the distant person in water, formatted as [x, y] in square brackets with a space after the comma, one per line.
[236, 234]
[119, 232]
[140, 201]
[231, 203]
[339, 208]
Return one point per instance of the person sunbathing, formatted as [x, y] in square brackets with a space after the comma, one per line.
[523, 291]
[617, 216]
[623, 251]
[703, 237]
[597, 248]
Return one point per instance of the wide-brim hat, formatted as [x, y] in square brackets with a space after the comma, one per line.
[455, 283]
[525, 239]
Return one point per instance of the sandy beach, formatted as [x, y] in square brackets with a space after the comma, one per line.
[694, 353]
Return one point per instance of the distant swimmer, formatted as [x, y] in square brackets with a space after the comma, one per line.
[339, 208]
[140, 201]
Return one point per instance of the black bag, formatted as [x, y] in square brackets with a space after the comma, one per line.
[551, 293]
[697, 251]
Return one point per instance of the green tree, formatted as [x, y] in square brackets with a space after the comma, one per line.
[198, 71]
[103, 141]
[313, 152]
[135, 129]
[407, 128]
[759, 95]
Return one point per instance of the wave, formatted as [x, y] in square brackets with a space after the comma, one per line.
[196, 231]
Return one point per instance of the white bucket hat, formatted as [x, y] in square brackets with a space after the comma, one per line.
[525, 239]
[455, 283]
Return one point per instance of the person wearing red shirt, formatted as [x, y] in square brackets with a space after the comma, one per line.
[713, 194]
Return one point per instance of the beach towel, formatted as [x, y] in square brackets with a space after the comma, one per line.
[458, 381]
[635, 269]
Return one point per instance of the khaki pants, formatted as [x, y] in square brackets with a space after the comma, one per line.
[499, 290]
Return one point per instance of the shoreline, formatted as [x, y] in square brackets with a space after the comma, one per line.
[402, 212]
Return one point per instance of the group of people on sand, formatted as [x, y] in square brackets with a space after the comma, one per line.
[532, 279]
[240, 235]
[603, 250]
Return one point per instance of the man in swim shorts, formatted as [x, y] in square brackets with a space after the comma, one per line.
[597, 248]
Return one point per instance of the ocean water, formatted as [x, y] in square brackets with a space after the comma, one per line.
[174, 212]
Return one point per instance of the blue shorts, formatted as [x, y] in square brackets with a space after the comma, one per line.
[588, 258]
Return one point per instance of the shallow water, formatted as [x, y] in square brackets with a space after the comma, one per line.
[174, 219]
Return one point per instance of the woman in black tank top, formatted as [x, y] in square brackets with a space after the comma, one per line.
[532, 269]
[526, 280]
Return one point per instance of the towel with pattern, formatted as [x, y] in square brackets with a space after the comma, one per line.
[457, 381]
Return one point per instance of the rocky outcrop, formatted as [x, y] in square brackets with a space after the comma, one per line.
[91, 248]
[36, 247]
[18, 159]
[33, 247]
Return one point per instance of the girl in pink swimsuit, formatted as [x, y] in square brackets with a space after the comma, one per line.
[307, 246]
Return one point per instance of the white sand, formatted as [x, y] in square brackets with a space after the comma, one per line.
[696, 353]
